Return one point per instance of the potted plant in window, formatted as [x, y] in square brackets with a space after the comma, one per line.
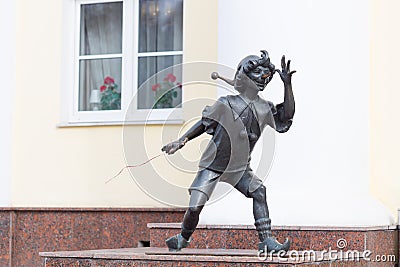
[110, 96]
[165, 91]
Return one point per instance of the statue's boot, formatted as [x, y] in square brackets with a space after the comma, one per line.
[177, 242]
[268, 243]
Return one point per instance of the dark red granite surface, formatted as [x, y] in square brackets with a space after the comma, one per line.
[377, 239]
[5, 238]
[382, 243]
[128, 263]
[150, 257]
[26, 232]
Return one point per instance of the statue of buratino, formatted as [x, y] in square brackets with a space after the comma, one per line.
[236, 123]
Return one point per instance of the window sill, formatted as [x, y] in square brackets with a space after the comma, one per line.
[119, 123]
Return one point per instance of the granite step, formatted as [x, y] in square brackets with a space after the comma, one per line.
[378, 239]
[155, 257]
[234, 245]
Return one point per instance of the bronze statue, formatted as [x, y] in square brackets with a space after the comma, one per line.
[236, 123]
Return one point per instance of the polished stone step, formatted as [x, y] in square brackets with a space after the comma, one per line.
[378, 239]
[155, 257]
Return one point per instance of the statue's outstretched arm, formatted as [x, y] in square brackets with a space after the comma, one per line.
[197, 129]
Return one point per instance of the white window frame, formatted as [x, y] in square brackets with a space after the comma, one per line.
[70, 114]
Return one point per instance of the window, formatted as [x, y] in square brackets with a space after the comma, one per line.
[119, 45]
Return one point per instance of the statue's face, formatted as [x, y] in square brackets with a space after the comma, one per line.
[261, 76]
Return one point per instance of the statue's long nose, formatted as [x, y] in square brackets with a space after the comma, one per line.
[266, 75]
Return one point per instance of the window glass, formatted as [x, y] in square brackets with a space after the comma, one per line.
[100, 57]
[99, 84]
[160, 27]
[165, 90]
[160, 31]
[101, 29]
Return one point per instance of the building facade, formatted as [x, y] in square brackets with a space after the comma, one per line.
[337, 166]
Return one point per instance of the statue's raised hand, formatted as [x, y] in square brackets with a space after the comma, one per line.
[285, 73]
[172, 147]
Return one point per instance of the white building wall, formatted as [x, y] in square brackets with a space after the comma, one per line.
[385, 142]
[320, 174]
[69, 166]
[7, 78]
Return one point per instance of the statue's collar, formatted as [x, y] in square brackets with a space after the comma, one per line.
[238, 105]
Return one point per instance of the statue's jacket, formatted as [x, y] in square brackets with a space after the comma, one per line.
[235, 125]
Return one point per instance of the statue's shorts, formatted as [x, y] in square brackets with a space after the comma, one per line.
[245, 181]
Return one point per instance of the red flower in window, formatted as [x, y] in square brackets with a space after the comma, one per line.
[110, 95]
[109, 80]
[170, 78]
[166, 91]
[155, 87]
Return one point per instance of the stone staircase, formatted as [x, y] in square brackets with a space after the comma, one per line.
[235, 245]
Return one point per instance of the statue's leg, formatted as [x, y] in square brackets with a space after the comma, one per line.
[200, 191]
[197, 201]
[260, 207]
[261, 213]
[251, 186]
